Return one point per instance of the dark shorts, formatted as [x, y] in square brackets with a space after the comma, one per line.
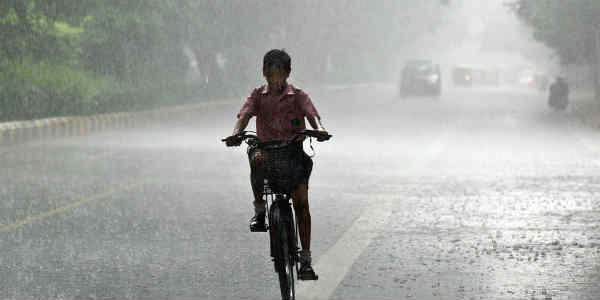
[298, 168]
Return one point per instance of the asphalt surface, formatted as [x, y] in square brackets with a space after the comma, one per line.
[480, 194]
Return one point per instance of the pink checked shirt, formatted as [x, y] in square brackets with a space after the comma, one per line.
[274, 113]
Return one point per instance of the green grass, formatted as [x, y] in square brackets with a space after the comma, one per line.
[64, 29]
[31, 90]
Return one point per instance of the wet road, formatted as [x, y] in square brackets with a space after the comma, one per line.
[482, 194]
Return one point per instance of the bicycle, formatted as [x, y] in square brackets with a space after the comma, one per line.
[282, 222]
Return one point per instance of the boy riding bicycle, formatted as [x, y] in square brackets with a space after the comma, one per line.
[280, 110]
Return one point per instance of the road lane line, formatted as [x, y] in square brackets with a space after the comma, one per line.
[82, 201]
[335, 263]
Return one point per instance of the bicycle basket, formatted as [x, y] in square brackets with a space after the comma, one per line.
[282, 168]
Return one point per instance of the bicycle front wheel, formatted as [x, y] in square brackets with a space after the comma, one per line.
[286, 273]
[282, 241]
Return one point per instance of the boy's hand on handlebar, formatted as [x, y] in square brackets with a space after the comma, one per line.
[322, 135]
[232, 141]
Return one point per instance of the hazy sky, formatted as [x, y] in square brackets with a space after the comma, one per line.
[485, 32]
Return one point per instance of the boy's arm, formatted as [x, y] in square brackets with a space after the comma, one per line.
[248, 110]
[241, 124]
[315, 123]
[310, 112]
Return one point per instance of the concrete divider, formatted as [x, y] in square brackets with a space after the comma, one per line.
[21, 131]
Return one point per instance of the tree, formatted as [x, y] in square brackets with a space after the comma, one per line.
[132, 46]
[571, 27]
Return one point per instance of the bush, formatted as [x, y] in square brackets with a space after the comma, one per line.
[42, 90]
[37, 90]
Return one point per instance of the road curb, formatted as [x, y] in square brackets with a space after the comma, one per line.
[588, 111]
[21, 131]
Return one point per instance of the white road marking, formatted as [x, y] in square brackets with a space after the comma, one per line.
[334, 264]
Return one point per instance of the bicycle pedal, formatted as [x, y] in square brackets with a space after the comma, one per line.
[307, 278]
[262, 229]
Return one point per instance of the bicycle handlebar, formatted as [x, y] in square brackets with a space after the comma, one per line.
[243, 135]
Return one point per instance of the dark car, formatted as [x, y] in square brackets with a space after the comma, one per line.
[420, 77]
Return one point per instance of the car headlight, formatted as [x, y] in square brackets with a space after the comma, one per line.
[527, 80]
[433, 78]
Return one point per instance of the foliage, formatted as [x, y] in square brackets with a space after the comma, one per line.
[571, 27]
[30, 90]
[85, 56]
[568, 26]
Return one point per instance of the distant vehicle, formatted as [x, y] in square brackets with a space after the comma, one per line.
[420, 77]
[470, 75]
[533, 79]
[462, 76]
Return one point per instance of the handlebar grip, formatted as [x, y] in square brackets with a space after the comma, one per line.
[317, 134]
[227, 138]
[242, 136]
[326, 138]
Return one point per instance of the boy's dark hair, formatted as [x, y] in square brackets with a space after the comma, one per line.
[279, 59]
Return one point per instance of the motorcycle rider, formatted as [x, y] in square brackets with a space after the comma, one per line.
[559, 94]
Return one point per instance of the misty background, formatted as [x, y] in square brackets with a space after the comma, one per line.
[475, 190]
[63, 57]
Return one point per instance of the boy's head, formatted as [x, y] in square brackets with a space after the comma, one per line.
[279, 59]
[277, 66]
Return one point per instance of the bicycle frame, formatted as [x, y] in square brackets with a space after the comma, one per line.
[280, 201]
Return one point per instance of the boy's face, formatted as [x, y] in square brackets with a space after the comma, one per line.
[276, 78]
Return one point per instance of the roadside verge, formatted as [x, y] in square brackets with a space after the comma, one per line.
[587, 109]
[21, 131]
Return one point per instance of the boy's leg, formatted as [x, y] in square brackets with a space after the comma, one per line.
[300, 200]
[257, 222]
[259, 202]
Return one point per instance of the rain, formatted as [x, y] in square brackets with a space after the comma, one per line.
[455, 151]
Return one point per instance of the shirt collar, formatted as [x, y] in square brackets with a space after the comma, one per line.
[288, 90]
